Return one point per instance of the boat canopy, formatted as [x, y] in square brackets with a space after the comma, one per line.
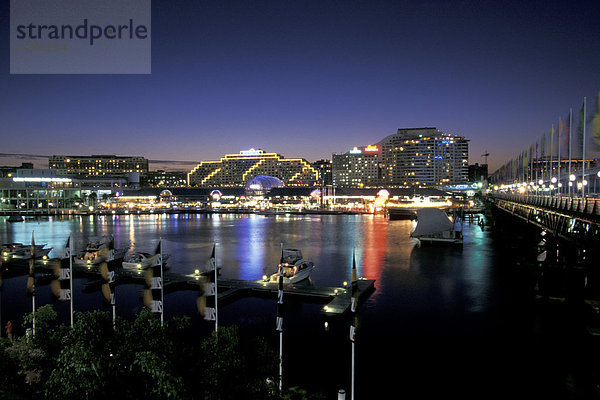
[431, 221]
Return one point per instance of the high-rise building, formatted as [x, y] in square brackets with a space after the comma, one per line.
[359, 167]
[421, 157]
[97, 165]
[237, 169]
[325, 172]
[424, 157]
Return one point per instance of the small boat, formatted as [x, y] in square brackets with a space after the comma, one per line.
[434, 227]
[401, 213]
[295, 268]
[16, 218]
[98, 250]
[23, 251]
[139, 260]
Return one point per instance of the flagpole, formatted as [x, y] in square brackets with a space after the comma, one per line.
[71, 275]
[280, 318]
[569, 183]
[216, 294]
[583, 153]
[32, 273]
[353, 307]
[560, 130]
[162, 285]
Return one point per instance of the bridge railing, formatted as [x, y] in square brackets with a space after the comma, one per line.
[588, 206]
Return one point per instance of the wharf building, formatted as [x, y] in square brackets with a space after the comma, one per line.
[37, 191]
[98, 165]
[236, 170]
[412, 157]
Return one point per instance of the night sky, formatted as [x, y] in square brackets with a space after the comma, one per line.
[308, 78]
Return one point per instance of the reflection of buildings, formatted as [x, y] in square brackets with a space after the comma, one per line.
[418, 157]
[97, 165]
[235, 170]
[374, 250]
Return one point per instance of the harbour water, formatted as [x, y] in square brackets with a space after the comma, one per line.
[441, 321]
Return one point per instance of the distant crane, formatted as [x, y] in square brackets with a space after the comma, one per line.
[486, 154]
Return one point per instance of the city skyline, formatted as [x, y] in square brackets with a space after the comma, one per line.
[315, 78]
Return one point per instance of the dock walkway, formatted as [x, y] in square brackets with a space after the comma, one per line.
[336, 300]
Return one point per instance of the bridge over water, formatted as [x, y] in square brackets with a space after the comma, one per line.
[562, 236]
[573, 219]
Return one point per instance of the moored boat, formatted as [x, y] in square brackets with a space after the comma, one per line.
[98, 250]
[16, 218]
[141, 260]
[295, 268]
[23, 251]
[401, 213]
[434, 227]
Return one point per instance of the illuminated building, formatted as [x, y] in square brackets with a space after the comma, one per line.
[42, 191]
[161, 178]
[325, 172]
[236, 170]
[359, 167]
[423, 157]
[97, 165]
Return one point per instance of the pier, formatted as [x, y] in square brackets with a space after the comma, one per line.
[336, 300]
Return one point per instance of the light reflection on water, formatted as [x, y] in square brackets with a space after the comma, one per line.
[248, 246]
[416, 288]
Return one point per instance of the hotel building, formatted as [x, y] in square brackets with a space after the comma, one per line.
[413, 157]
[97, 165]
[235, 170]
[357, 168]
[424, 157]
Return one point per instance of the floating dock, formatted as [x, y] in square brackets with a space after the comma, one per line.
[336, 300]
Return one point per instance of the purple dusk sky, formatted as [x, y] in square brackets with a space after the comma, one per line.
[309, 78]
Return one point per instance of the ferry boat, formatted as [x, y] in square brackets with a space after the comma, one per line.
[295, 268]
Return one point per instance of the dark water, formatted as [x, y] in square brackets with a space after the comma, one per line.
[442, 321]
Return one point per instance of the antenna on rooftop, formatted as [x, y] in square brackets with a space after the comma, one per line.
[485, 154]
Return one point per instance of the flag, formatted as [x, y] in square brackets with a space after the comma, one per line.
[596, 123]
[581, 126]
[61, 286]
[209, 309]
[279, 321]
[153, 295]
[108, 286]
[68, 248]
[31, 278]
[354, 299]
